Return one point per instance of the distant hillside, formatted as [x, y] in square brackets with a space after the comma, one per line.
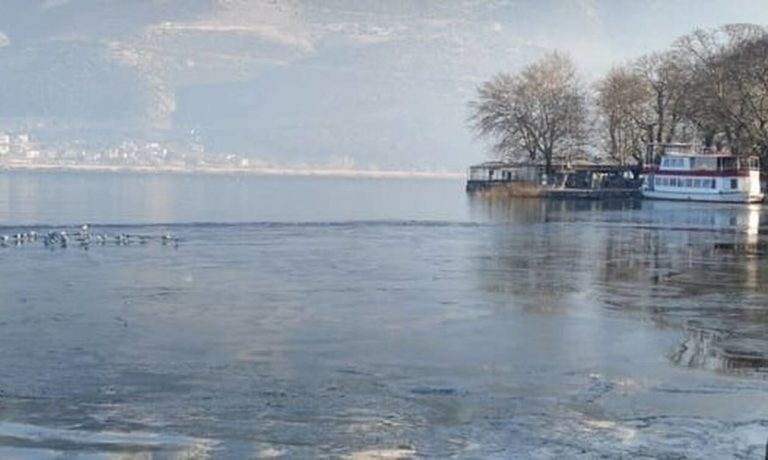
[303, 81]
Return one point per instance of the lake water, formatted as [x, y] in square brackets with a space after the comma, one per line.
[364, 318]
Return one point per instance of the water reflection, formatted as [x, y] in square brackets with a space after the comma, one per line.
[710, 348]
[505, 210]
[702, 268]
[63, 198]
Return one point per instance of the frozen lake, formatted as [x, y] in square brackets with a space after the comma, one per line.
[306, 317]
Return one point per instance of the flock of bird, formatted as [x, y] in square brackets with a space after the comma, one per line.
[83, 237]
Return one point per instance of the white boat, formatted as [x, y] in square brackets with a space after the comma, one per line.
[690, 174]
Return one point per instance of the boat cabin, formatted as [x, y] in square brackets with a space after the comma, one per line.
[715, 162]
[685, 172]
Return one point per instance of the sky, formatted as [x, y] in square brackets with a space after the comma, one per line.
[309, 83]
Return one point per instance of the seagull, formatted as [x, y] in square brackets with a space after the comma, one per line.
[84, 231]
[84, 237]
[64, 239]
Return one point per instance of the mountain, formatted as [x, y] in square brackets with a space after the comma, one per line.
[304, 82]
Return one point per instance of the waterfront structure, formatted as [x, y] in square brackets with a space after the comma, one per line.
[687, 172]
[493, 173]
[566, 181]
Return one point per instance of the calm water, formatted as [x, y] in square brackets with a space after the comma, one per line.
[304, 317]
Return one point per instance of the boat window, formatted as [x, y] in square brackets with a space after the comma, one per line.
[708, 164]
[728, 164]
[713, 183]
[665, 163]
[734, 183]
[697, 183]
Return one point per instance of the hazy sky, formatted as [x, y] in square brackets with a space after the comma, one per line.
[370, 82]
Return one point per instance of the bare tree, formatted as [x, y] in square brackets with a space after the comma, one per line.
[665, 77]
[624, 103]
[539, 113]
[727, 94]
[750, 78]
[711, 85]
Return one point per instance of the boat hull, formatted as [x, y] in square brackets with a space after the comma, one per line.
[722, 197]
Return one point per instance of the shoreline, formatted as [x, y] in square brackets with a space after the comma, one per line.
[215, 170]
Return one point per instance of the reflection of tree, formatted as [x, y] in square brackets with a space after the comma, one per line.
[528, 211]
[531, 256]
[673, 263]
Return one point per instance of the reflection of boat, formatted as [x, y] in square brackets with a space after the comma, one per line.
[703, 175]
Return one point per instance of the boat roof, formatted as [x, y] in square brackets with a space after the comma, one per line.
[719, 154]
[695, 150]
[504, 164]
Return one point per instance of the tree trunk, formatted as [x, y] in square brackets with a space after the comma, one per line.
[548, 167]
[660, 113]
